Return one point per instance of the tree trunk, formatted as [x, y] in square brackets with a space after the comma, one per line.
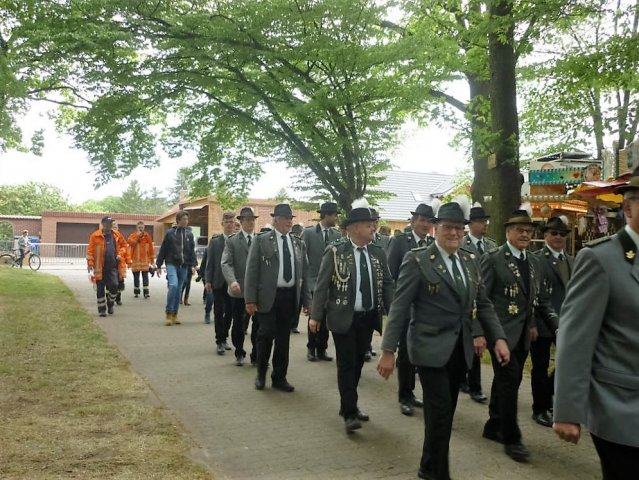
[479, 92]
[506, 177]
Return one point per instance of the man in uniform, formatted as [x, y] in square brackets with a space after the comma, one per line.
[142, 256]
[276, 282]
[317, 238]
[233, 265]
[178, 252]
[418, 236]
[477, 242]
[379, 238]
[556, 267]
[354, 288]
[442, 286]
[103, 257]
[512, 277]
[597, 367]
[125, 259]
[215, 282]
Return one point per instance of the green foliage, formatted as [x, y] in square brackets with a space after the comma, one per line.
[31, 198]
[132, 200]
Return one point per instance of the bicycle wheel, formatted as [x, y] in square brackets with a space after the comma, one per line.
[6, 260]
[34, 261]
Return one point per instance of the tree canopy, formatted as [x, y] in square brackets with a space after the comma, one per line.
[32, 199]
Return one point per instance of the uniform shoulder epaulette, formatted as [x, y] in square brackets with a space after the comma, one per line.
[374, 245]
[468, 251]
[598, 241]
[492, 251]
[232, 235]
[339, 241]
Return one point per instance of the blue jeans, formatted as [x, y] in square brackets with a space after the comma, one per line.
[176, 277]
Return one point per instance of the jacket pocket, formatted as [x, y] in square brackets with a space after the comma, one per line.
[427, 329]
[619, 379]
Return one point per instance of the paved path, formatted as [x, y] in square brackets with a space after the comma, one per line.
[246, 434]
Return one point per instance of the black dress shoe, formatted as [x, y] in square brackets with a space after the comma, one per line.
[406, 409]
[321, 355]
[260, 382]
[543, 418]
[220, 349]
[373, 353]
[464, 388]
[417, 403]
[226, 346]
[295, 330]
[352, 424]
[284, 386]
[517, 451]
[478, 397]
[310, 355]
[368, 356]
[361, 416]
[493, 435]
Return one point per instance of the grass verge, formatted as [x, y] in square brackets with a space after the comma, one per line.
[71, 407]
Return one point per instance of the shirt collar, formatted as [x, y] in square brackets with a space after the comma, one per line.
[633, 235]
[554, 252]
[365, 247]
[444, 253]
[515, 251]
[247, 234]
[474, 239]
[417, 239]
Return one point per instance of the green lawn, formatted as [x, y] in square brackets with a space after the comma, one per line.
[71, 407]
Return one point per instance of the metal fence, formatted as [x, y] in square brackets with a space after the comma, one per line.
[64, 253]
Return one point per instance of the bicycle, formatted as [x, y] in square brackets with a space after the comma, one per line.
[13, 260]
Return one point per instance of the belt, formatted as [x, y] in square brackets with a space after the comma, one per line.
[285, 289]
[358, 314]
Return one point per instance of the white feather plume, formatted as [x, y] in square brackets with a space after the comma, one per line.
[464, 203]
[360, 203]
[477, 205]
[527, 207]
[564, 219]
[435, 204]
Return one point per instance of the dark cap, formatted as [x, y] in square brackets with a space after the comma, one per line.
[362, 214]
[555, 223]
[329, 208]
[478, 213]
[424, 211]
[451, 211]
[106, 219]
[246, 212]
[282, 210]
[519, 217]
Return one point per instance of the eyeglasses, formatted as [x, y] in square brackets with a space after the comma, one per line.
[448, 228]
[554, 233]
[529, 231]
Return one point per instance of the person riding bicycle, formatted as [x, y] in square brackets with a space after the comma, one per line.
[24, 246]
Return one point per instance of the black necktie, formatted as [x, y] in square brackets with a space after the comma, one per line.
[524, 271]
[563, 269]
[421, 243]
[365, 281]
[249, 240]
[461, 288]
[288, 272]
[326, 236]
[480, 248]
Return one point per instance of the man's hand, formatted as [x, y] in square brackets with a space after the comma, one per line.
[158, 271]
[480, 345]
[386, 364]
[313, 326]
[208, 287]
[533, 334]
[251, 308]
[570, 432]
[306, 309]
[235, 288]
[502, 352]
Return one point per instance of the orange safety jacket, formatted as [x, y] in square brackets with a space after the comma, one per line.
[95, 252]
[142, 253]
[124, 252]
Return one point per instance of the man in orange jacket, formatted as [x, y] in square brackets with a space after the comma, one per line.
[142, 256]
[103, 258]
[125, 260]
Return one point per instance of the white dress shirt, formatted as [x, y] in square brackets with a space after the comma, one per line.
[281, 283]
[449, 263]
[358, 295]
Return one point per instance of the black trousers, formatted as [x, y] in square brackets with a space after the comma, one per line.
[118, 295]
[441, 389]
[618, 462]
[240, 324]
[405, 370]
[274, 334]
[106, 295]
[472, 377]
[502, 409]
[136, 282]
[318, 342]
[222, 313]
[541, 383]
[350, 348]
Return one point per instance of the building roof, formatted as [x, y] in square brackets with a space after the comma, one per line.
[21, 217]
[410, 189]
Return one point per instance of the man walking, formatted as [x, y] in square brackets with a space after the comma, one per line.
[597, 367]
[275, 283]
[317, 238]
[477, 242]
[354, 288]
[178, 252]
[215, 282]
[512, 278]
[125, 259]
[142, 257]
[556, 267]
[233, 265]
[103, 258]
[418, 236]
[442, 286]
